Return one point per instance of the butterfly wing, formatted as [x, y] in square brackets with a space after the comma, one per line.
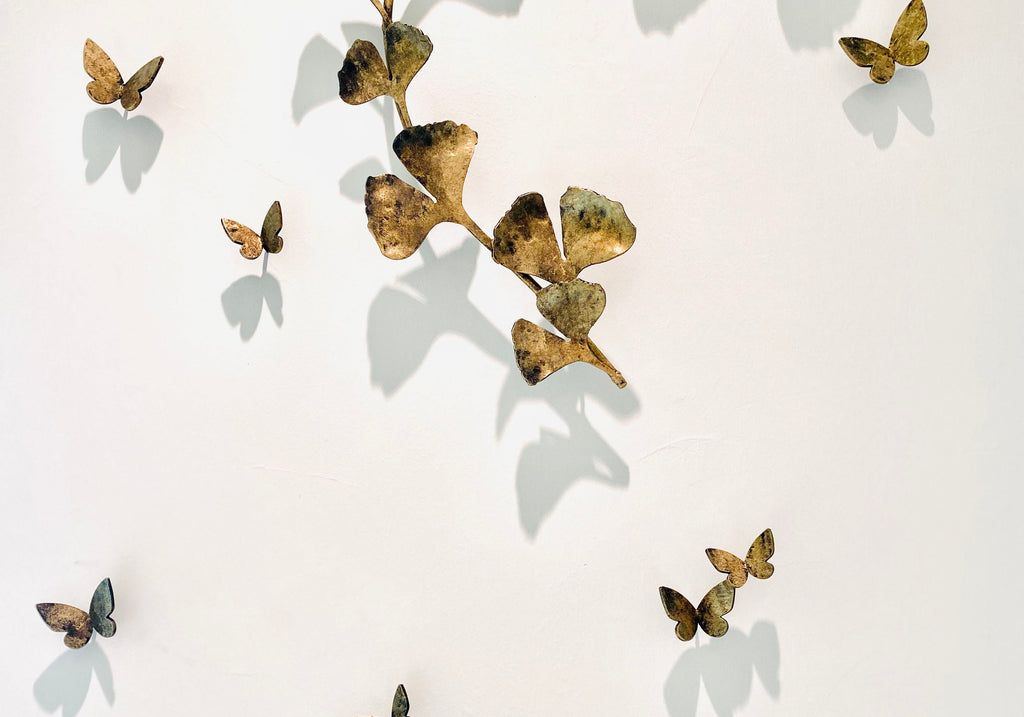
[726, 562]
[107, 85]
[270, 235]
[757, 557]
[101, 607]
[400, 705]
[717, 602]
[868, 53]
[141, 80]
[252, 245]
[906, 44]
[681, 610]
[64, 618]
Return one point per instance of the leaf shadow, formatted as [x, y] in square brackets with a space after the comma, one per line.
[416, 10]
[726, 667]
[811, 24]
[432, 301]
[874, 109]
[106, 131]
[243, 301]
[316, 81]
[661, 16]
[64, 685]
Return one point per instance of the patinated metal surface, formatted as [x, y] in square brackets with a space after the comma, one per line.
[107, 85]
[400, 217]
[400, 705]
[79, 624]
[721, 598]
[905, 45]
[756, 563]
[253, 245]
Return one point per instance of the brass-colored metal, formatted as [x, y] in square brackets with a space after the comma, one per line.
[79, 624]
[721, 598]
[756, 563]
[905, 45]
[107, 85]
[400, 705]
[253, 245]
[399, 216]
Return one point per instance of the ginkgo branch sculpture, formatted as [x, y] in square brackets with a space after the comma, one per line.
[594, 228]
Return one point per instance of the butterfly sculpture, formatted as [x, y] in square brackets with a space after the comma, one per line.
[269, 238]
[79, 624]
[905, 45]
[719, 601]
[107, 85]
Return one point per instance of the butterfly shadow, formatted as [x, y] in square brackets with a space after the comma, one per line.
[726, 667]
[660, 16]
[432, 301]
[874, 109]
[811, 24]
[243, 301]
[65, 683]
[106, 131]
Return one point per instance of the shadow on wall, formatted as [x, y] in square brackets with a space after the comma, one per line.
[811, 24]
[65, 683]
[243, 301]
[874, 109]
[418, 9]
[432, 301]
[726, 667]
[661, 16]
[105, 131]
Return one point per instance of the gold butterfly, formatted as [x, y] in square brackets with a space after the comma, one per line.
[107, 85]
[708, 614]
[78, 624]
[756, 563]
[905, 45]
[269, 238]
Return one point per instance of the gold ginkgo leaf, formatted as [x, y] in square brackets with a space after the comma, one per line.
[524, 241]
[539, 353]
[407, 50]
[594, 228]
[365, 76]
[572, 307]
[905, 45]
[400, 216]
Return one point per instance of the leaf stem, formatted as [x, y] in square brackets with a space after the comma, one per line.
[383, 13]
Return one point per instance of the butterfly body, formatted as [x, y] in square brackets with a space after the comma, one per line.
[79, 624]
[107, 85]
[905, 46]
[269, 239]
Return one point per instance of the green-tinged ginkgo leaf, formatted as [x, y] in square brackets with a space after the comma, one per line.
[594, 228]
[400, 705]
[572, 307]
[407, 50]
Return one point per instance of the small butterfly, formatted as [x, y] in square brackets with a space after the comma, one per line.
[756, 563]
[269, 238]
[78, 624]
[107, 85]
[905, 45]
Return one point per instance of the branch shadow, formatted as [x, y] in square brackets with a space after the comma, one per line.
[432, 301]
[65, 683]
[243, 301]
[874, 109]
[660, 16]
[811, 24]
[105, 131]
[726, 668]
[416, 10]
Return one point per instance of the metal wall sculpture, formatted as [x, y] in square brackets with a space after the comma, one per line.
[253, 245]
[595, 229]
[79, 624]
[719, 601]
[905, 45]
[107, 85]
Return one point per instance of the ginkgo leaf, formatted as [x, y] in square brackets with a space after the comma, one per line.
[400, 216]
[407, 50]
[363, 76]
[524, 241]
[594, 228]
[572, 307]
[539, 353]
[438, 155]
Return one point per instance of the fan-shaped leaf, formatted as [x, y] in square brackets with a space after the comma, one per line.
[363, 76]
[573, 307]
[438, 155]
[594, 228]
[400, 216]
[524, 241]
[540, 353]
[407, 50]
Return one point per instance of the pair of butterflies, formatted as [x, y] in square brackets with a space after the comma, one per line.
[79, 624]
[905, 45]
[269, 239]
[107, 85]
[720, 599]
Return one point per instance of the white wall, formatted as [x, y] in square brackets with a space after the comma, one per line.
[821, 322]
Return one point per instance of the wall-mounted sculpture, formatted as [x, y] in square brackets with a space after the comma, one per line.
[594, 228]
[253, 244]
[905, 45]
[78, 624]
[107, 85]
[719, 601]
